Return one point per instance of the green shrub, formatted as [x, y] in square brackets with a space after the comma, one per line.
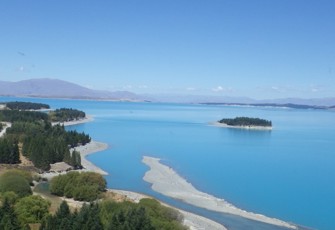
[11, 197]
[31, 209]
[15, 182]
[85, 186]
[27, 175]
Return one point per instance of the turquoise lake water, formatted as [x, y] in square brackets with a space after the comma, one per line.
[287, 173]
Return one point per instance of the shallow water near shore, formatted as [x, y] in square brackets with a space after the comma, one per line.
[286, 173]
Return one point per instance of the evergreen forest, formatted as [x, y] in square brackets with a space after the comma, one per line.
[39, 141]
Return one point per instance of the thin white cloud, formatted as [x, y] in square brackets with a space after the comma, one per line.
[142, 87]
[218, 89]
[191, 89]
[22, 68]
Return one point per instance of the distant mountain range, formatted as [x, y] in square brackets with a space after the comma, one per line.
[53, 88]
[225, 100]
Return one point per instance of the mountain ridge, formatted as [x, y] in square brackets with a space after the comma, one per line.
[55, 88]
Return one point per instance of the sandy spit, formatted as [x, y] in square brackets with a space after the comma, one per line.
[167, 182]
[222, 125]
[193, 221]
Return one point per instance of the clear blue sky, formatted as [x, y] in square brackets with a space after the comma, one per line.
[254, 48]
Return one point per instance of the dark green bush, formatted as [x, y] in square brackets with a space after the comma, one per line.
[85, 186]
[15, 182]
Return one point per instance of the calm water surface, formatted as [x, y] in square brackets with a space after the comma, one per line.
[287, 173]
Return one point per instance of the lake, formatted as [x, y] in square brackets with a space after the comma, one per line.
[287, 173]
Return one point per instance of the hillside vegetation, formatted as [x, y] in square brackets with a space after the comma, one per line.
[19, 210]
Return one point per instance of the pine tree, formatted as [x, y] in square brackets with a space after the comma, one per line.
[8, 219]
[63, 211]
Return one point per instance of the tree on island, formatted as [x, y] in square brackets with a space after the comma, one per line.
[246, 121]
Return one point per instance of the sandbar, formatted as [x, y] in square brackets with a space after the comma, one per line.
[167, 182]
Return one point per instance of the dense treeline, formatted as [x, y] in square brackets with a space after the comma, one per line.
[1, 126]
[73, 138]
[246, 121]
[45, 144]
[86, 218]
[64, 114]
[19, 105]
[9, 151]
[85, 186]
[27, 116]
[108, 215]
[42, 143]
[32, 129]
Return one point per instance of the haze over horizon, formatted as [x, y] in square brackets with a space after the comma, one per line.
[259, 49]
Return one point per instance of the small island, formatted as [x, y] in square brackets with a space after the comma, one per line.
[246, 123]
